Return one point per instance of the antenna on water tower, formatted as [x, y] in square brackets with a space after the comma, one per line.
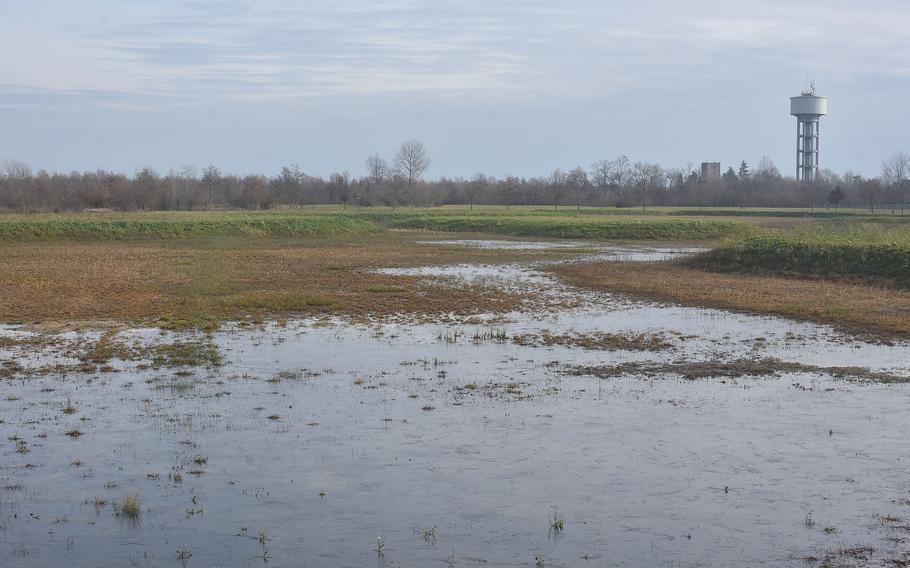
[807, 108]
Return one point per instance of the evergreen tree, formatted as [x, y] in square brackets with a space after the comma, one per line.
[743, 170]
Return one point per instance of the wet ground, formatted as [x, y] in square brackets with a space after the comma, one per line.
[325, 443]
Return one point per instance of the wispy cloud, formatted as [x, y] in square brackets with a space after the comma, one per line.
[285, 49]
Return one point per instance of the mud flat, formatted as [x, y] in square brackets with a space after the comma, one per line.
[588, 430]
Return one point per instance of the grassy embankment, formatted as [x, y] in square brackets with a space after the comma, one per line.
[864, 252]
[329, 222]
[178, 226]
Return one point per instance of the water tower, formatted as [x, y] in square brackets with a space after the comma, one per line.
[807, 108]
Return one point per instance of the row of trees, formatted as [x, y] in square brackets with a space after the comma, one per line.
[617, 182]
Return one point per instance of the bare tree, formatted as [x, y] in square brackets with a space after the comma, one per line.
[767, 169]
[577, 180]
[836, 197]
[411, 162]
[255, 194]
[211, 182]
[600, 173]
[870, 190]
[18, 175]
[509, 186]
[377, 174]
[399, 186]
[556, 181]
[339, 187]
[290, 181]
[187, 178]
[895, 172]
[475, 188]
[619, 173]
[145, 186]
[377, 169]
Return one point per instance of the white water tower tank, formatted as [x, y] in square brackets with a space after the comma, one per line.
[807, 108]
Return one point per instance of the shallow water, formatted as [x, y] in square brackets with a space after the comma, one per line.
[645, 472]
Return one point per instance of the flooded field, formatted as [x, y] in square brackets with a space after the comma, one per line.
[586, 430]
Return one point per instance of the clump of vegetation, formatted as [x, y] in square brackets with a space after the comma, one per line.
[103, 350]
[557, 522]
[862, 251]
[130, 506]
[279, 302]
[98, 502]
[598, 341]
[193, 353]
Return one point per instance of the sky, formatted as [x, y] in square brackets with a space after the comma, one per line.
[515, 87]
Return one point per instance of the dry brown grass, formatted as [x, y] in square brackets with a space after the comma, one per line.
[858, 307]
[201, 281]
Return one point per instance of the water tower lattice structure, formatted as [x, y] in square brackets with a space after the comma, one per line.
[807, 108]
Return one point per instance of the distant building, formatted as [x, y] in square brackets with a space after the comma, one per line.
[710, 171]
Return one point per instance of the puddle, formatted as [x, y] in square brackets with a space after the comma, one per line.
[602, 251]
[457, 445]
[511, 245]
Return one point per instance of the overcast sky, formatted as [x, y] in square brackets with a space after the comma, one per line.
[500, 86]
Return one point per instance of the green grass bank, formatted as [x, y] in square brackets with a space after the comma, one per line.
[848, 250]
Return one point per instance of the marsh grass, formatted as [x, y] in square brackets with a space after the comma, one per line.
[193, 353]
[733, 369]
[557, 521]
[598, 341]
[130, 506]
[278, 302]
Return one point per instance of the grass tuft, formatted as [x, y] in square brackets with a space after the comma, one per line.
[130, 506]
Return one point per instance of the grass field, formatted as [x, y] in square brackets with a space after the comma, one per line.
[201, 282]
[196, 269]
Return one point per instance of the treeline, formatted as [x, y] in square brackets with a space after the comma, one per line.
[617, 183]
